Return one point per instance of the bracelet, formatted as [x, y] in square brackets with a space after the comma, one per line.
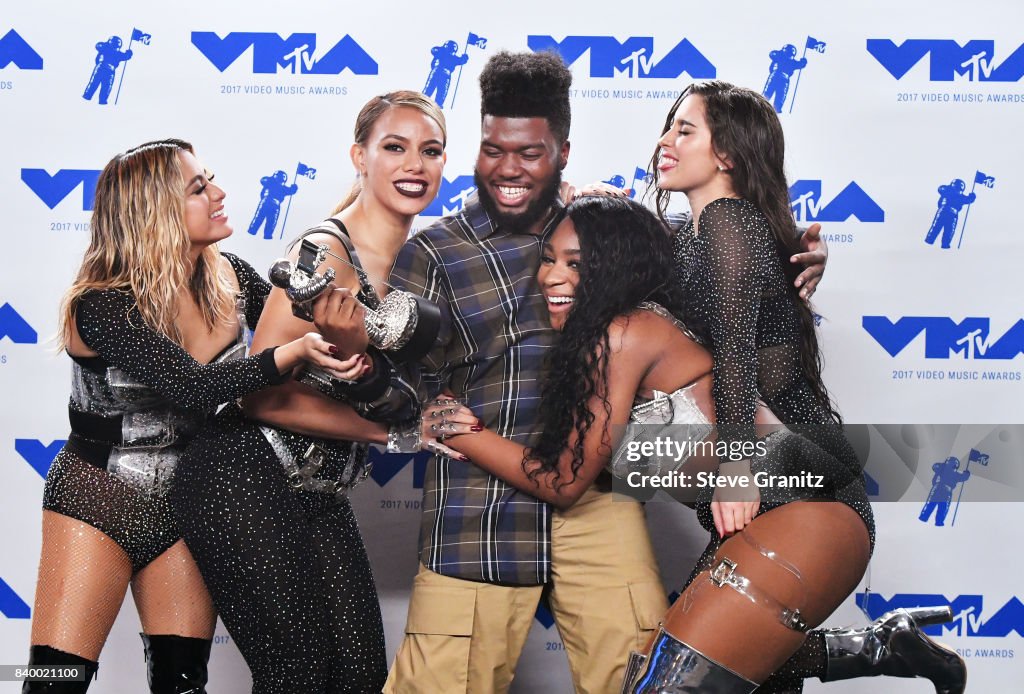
[404, 437]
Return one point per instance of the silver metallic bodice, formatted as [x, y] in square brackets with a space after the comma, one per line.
[674, 415]
[153, 429]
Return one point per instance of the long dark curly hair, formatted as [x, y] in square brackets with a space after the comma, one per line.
[625, 259]
[746, 129]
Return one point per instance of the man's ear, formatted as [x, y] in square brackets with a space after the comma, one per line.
[563, 156]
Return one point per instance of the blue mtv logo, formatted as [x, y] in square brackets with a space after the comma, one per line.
[14, 49]
[11, 604]
[948, 60]
[451, 197]
[37, 454]
[634, 56]
[16, 328]
[967, 613]
[296, 54]
[52, 189]
[944, 337]
[852, 201]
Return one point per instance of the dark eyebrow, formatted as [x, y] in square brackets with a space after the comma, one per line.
[682, 121]
[195, 179]
[570, 251]
[495, 145]
[400, 138]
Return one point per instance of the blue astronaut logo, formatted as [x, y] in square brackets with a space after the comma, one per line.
[276, 188]
[784, 64]
[946, 476]
[53, 189]
[944, 337]
[948, 60]
[15, 328]
[14, 49]
[634, 57]
[852, 201]
[951, 200]
[639, 174]
[296, 54]
[446, 58]
[109, 57]
[451, 197]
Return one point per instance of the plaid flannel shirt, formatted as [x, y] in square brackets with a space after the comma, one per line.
[491, 354]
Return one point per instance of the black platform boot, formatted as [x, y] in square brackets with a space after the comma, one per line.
[176, 664]
[47, 657]
[894, 645]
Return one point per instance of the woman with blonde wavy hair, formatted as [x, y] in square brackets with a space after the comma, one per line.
[154, 324]
[262, 495]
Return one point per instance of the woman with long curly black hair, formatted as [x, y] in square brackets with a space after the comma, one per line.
[625, 364]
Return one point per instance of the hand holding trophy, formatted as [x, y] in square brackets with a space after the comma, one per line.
[403, 325]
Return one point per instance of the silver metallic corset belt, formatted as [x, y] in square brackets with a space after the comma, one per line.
[301, 471]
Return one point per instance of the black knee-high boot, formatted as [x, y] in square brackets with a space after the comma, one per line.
[47, 657]
[176, 664]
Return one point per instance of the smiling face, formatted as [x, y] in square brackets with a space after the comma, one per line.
[518, 170]
[559, 272]
[402, 160]
[205, 219]
[687, 159]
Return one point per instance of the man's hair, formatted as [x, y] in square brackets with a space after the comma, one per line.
[528, 85]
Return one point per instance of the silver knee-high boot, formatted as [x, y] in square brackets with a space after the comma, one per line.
[894, 645]
[675, 668]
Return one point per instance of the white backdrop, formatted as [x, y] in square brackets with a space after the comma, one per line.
[895, 104]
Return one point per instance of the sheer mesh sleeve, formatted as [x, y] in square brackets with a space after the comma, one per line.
[732, 281]
[109, 324]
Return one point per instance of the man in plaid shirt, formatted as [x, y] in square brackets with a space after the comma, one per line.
[488, 551]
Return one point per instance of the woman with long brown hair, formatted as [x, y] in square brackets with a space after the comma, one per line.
[155, 324]
[262, 495]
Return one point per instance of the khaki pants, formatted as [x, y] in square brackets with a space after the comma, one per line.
[606, 597]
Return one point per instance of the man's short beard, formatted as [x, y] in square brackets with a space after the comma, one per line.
[534, 212]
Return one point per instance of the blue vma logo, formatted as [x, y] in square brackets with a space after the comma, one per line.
[296, 54]
[52, 189]
[15, 328]
[451, 197]
[37, 454]
[948, 60]
[967, 613]
[109, 57]
[944, 337]
[808, 206]
[11, 604]
[386, 466]
[784, 64]
[14, 49]
[445, 59]
[619, 181]
[276, 187]
[952, 199]
[634, 57]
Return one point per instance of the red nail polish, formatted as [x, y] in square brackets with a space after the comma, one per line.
[476, 428]
[332, 349]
